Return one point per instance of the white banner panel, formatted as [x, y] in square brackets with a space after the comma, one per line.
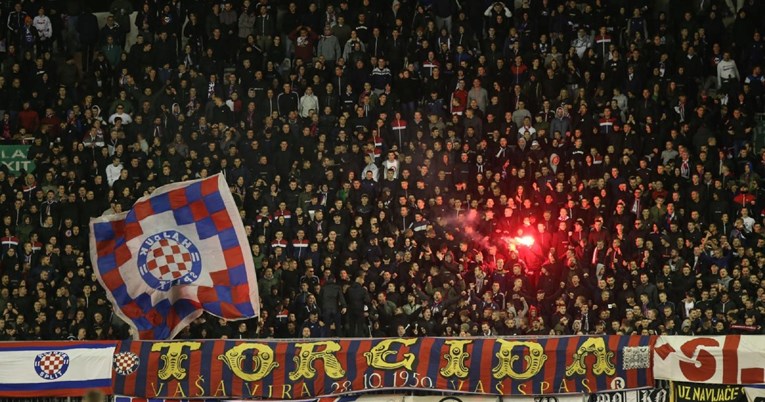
[755, 394]
[732, 359]
[54, 368]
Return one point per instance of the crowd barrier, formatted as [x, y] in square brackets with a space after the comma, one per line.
[545, 369]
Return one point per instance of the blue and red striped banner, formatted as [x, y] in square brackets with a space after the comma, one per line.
[302, 370]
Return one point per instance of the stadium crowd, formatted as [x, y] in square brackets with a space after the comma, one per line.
[403, 167]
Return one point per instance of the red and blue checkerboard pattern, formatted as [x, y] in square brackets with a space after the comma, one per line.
[200, 204]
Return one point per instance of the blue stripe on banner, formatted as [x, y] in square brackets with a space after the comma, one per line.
[206, 228]
[351, 354]
[206, 374]
[121, 295]
[561, 355]
[289, 367]
[107, 262]
[54, 346]
[193, 192]
[45, 386]
[119, 380]
[228, 238]
[103, 230]
[183, 215]
[142, 374]
[435, 351]
[476, 360]
[214, 203]
[228, 375]
[160, 203]
[237, 275]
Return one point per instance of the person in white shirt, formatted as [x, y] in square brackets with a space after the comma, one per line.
[308, 102]
[126, 119]
[370, 167]
[113, 171]
[391, 163]
[581, 43]
[727, 72]
[748, 220]
[42, 23]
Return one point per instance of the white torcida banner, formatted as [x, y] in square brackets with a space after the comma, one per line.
[731, 359]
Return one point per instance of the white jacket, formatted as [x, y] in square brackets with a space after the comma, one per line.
[43, 25]
[726, 70]
[308, 102]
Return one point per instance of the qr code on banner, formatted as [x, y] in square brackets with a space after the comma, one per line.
[636, 357]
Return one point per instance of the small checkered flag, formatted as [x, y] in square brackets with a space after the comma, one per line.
[178, 252]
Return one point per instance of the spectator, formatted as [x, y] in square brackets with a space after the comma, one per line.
[392, 171]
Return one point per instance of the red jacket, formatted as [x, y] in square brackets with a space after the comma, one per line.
[29, 120]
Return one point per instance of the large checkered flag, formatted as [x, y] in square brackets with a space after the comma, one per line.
[178, 252]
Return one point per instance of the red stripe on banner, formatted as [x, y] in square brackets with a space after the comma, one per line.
[112, 279]
[122, 254]
[142, 210]
[132, 230]
[199, 210]
[153, 384]
[177, 198]
[210, 185]
[130, 380]
[118, 227]
[196, 360]
[441, 382]
[551, 365]
[233, 257]
[321, 371]
[486, 359]
[752, 375]
[105, 247]
[221, 220]
[730, 359]
[425, 355]
[237, 382]
[279, 376]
